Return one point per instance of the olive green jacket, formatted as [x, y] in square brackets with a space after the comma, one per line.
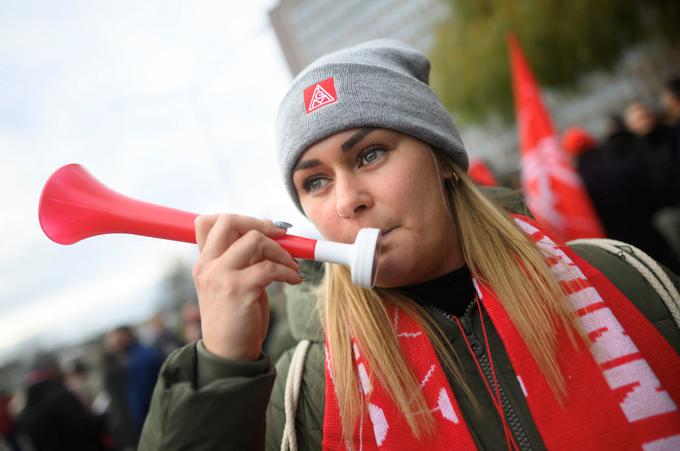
[202, 402]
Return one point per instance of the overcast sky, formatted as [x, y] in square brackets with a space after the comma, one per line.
[171, 102]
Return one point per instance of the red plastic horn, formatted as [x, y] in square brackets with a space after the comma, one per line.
[74, 205]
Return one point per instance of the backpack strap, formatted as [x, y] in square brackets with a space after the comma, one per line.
[645, 266]
[292, 395]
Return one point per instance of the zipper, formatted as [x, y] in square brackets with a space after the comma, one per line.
[480, 353]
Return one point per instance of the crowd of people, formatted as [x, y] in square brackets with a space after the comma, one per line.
[79, 403]
[633, 175]
[99, 401]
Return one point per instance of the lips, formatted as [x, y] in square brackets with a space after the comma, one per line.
[386, 230]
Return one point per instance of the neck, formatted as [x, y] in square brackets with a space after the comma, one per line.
[450, 292]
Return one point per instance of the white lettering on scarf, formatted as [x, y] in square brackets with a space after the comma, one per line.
[365, 380]
[645, 397]
[663, 444]
[612, 342]
[379, 421]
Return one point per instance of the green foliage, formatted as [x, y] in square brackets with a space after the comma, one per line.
[562, 41]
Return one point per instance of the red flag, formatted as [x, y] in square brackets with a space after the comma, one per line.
[481, 174]
[554, 191]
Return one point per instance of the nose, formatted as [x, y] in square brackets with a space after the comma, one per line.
[351, 196]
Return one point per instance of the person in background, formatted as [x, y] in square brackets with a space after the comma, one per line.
[113, 402]
[77, 379]
[8, 429]
[141, 364]
[137, 368]
[670, 99]
[660, 156]
[191, 323]
[668, 219]
[615, 178]
[654, 149]
[53, 418]
[581, 148]
[163, 339]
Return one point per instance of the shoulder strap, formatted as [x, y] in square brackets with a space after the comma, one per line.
[292, 395]
[645, 265]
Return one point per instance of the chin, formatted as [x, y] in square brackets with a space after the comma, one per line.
[392, 275]
[398, 269]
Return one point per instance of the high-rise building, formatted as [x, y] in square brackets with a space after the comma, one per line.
[308, 29]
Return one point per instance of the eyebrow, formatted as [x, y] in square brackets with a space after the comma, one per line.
[346, 146]
[355, 138]
[306, 164]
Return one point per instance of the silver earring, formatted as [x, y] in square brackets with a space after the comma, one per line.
[451, 180]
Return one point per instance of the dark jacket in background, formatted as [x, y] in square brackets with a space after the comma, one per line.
[143, 365]
[118, 416]
[55, 420]
[624, 179]
[662, 159]
[675, 128]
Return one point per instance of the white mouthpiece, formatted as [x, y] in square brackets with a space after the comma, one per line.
[361, 256]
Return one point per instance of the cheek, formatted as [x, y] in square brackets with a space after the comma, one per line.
[416, 195]
[324, 218]
[413, 176]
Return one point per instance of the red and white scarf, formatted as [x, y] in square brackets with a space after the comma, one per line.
[622, 394]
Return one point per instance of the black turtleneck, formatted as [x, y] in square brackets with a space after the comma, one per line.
[450, 293]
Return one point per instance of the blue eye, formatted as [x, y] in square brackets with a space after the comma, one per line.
[370, 156]
[314, 184]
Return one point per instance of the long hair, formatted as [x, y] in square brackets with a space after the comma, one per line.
[498, 254]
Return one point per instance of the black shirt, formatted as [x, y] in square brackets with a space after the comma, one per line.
[450, 293]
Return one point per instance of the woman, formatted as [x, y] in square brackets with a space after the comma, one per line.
[481, 331]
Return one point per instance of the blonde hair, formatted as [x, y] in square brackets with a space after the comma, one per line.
[498, 254]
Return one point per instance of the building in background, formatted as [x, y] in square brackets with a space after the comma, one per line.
[307, 29]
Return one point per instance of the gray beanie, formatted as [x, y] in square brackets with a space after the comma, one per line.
[380, 83]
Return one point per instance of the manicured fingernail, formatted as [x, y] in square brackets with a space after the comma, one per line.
[282, 225]
[302, 275]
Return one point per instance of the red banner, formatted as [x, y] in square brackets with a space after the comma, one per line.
[554, 192]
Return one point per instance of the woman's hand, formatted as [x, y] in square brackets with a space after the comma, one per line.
[238, 260]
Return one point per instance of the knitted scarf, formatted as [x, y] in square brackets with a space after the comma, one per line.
[622, 392]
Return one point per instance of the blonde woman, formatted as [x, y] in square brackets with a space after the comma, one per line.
[481, 331]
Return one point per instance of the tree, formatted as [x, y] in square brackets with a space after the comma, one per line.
[562, 40]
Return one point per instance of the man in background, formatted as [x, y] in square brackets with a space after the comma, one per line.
[53, 418]
[131, 371]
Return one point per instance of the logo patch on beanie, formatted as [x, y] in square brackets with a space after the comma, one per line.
[320, 94]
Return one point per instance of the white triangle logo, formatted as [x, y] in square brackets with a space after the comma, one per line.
[320, 97]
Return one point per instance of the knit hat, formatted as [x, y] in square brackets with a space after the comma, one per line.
[381, 83]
